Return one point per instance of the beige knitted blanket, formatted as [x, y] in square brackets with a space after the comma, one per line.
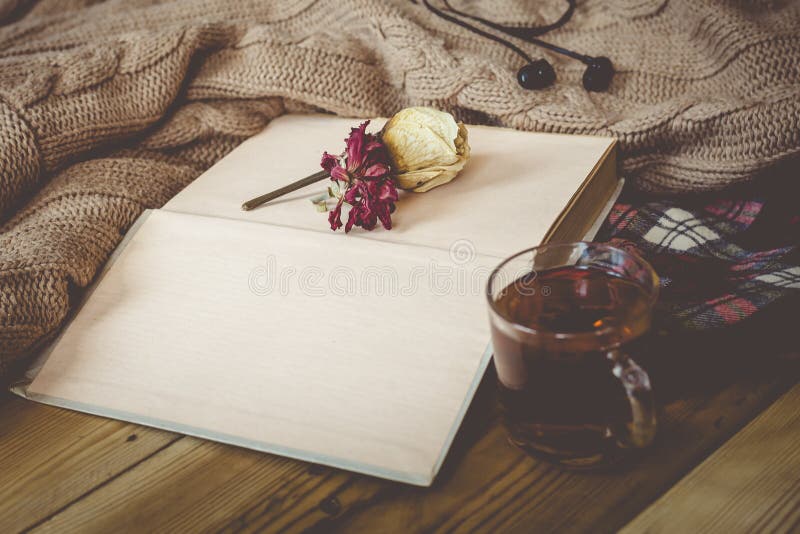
[110, 107]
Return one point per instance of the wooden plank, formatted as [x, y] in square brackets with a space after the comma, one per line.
[486, 484]
[751, 484]
[50, 458]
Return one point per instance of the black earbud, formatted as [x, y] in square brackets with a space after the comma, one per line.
[598, 74]
[540, 74]
[536, 75]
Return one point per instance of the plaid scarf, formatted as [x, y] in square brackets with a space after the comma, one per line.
[720, 259]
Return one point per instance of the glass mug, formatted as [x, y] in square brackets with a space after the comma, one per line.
[562, 316]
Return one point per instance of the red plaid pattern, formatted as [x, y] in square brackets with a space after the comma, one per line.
[717, 259]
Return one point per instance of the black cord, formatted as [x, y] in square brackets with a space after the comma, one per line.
[526, 34]
[441, 14]
[517, 31]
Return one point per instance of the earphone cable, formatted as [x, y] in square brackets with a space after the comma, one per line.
[525, 33]
[451, 17]
[534, 74]
[478, 31]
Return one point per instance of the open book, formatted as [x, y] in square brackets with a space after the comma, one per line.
[265, 329]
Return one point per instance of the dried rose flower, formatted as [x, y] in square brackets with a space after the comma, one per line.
[362, 179]
[418, 149]
[427, 147]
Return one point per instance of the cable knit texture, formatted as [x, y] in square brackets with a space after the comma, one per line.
[110, 107]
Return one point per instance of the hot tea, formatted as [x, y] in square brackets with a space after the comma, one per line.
[557, 348]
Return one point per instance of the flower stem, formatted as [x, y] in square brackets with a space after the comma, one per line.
[299, 184]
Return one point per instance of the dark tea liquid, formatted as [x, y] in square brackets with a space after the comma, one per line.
[558, 395]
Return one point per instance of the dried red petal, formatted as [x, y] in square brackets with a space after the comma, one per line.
[351, 220]
[387, 191]
[329, 161]
[385, 215]
[377, 170]
[335, 217]
[339, 174]
[365, 182]
[355, 144]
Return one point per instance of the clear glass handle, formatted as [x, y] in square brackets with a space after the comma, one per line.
[642, 428]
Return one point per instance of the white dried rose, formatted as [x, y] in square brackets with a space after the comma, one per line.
[428, 147]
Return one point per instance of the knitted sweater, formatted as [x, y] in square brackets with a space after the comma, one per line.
[110, 107]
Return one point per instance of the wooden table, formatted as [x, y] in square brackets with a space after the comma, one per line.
[63, 471]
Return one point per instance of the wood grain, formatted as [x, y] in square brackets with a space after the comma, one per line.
[751, 484]
[65, 471]
[486, 484]
[50, 457]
